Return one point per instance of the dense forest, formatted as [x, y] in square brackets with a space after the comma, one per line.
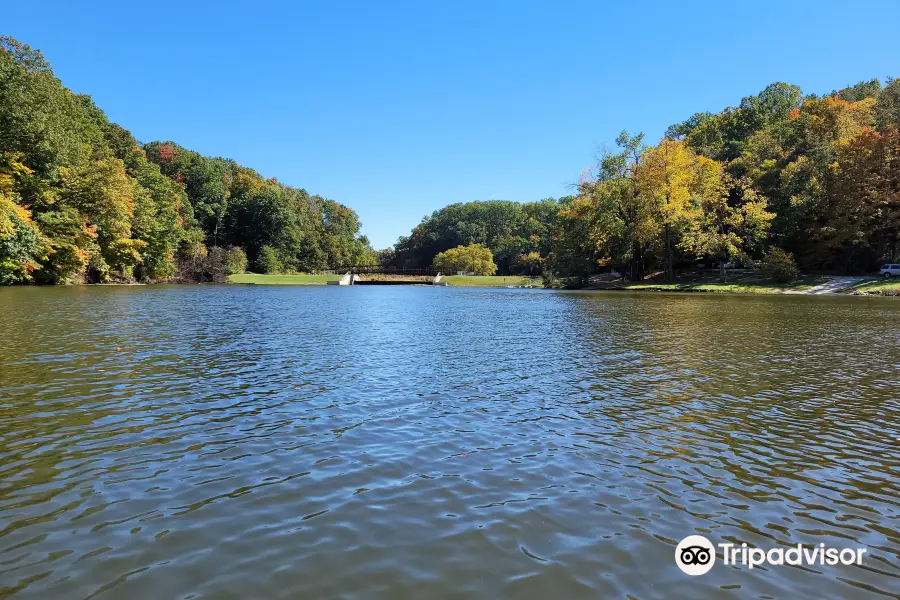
[811, 181]
[81, 200]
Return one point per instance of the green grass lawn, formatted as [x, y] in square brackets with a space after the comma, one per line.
[515, 280]
[736, 284]
[491, 280]
[742, 283]
[283, 279]
[889, 287]
[735, 288]
[452, 280]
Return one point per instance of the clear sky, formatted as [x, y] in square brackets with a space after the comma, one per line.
[399, 108]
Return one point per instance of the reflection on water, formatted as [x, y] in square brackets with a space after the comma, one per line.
[253, 442]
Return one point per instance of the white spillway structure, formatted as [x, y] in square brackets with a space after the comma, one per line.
[347, 279]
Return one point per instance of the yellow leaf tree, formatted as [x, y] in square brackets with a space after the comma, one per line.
[664, 177]
[104, 193]
[21, 243]
[474, 257]
[725, 218]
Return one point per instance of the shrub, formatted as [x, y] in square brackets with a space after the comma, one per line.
[198, 264]
[267, 260]
[236, 261]
[779, 266]
[215, 266]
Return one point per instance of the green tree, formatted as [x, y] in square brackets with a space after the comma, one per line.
[609, 223]
[206, 181]
[577, 247]
[236, 261]
[723, 136]
[779, 266]
[472, 258]
[664, 179]
[102, 208]
[104, 194]
[507, 228]
[723, 223]
[267, 260]
[861, 220]
[21, 243]
[531, 264]
[860, 91]
[791, 163]
[887, 108]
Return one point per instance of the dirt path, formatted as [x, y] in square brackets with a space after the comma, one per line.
[836, 284]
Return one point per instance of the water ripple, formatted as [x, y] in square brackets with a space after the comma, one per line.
[206, 441]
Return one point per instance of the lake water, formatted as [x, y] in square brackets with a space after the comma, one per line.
[391, 442]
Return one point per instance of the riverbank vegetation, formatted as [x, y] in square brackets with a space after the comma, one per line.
[292, 279]
[783, 181]
[881, 287]
[81, 200]
[492, 281]
[452, 280]
[744, 281]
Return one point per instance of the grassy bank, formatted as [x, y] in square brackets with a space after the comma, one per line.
[492, 280]
[283, 279]
[880, 287]
[735, 283]
[731, 288]
[453, 280]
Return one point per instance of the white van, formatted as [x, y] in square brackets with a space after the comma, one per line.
[890, 271]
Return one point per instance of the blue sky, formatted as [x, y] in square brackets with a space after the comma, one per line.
[399, 108]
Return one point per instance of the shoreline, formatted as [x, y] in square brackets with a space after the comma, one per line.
[761, 292]
[694, 283]
[861, 286]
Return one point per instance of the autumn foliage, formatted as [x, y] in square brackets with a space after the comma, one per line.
[82, 201]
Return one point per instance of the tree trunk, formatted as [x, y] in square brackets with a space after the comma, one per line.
[637, 260]
[722, 270]
[670, 271]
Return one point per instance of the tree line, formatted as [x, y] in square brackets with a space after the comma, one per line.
[804, 180]
[81, 200]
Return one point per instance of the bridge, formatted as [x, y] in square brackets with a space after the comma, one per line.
[399, 275]
[386, 270]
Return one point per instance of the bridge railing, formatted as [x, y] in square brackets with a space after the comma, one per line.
[385, 270]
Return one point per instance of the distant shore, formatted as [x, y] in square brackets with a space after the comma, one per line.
[749, 283]
[734, 284]
[740, 283]
[451, 280]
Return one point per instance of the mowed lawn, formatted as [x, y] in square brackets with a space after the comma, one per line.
[492, 280]
[734, 288]
[747, 287]
[880, 286]
[735, 283]
[452, 280]
[298, 279]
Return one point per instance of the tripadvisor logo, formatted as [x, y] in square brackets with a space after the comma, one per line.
[696, 555]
